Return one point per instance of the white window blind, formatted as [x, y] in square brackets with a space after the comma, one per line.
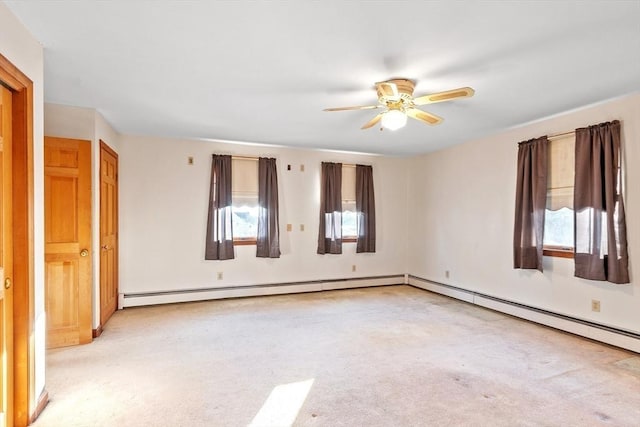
[561, 173]
[348, 184]
[244, 182]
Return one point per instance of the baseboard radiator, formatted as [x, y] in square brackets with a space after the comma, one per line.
[187, 295]
[609, 335]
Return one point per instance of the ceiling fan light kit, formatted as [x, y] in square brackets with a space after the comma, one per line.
[394, 119]
[396, 97]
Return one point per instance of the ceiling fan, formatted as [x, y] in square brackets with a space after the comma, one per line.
[396, 97]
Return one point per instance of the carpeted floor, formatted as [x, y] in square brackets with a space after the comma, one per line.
[390, 356]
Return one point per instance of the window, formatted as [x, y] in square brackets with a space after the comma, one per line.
[349, 215]
[558, 222]
[244, 198]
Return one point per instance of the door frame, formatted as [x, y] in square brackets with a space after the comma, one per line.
[24, 411]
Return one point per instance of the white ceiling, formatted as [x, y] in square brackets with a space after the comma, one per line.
[263, 71]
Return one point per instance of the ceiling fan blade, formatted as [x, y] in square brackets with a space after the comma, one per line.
[463, 92]
[372, 122]
[423, 116]
[388, 89]
[363, 107]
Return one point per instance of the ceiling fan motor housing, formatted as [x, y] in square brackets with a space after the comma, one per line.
[404, 91]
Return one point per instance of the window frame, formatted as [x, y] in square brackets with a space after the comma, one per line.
[557, 251]
[243, 241]
[345, 238]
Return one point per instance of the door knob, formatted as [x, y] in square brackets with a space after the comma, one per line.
[84, 252]
[7, 283]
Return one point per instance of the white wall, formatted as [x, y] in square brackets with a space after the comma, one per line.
[69, 122]
[163, 213]
[24, 51]
[461, 213]
[88, 124]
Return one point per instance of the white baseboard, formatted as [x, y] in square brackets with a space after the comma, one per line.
[190, 295]
[606, 334]
[603, 333]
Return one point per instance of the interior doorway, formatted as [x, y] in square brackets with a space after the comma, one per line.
[20, 405]
[6, 260]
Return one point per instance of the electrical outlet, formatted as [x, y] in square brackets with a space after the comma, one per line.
[446, 274]
[289, 227]
[595, 305]
[219, 275]
[190, 160]
[301, 227]
[301, 168]
[353, 267]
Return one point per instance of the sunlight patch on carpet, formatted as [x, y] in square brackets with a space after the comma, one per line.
[283, 404]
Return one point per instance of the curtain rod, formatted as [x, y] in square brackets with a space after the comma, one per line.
[561, 134]
[348, 165]
[352, 165]
[556, 135]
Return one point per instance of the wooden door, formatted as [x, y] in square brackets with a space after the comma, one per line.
[16, 246]
[6, 260]
[67, 229]
[108, 232]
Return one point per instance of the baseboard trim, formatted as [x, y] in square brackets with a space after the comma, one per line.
[189, 295]
[95, 333]
[610, 335]
[43, 400]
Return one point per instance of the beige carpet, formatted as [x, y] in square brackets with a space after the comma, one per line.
[391, 356]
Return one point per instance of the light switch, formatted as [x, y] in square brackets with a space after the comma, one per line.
[289, 227]
[190, 160]
[301, 227]
[301, 168]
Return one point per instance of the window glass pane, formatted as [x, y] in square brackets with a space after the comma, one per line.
[349, 219]
[245, 218]
[244, 196]
[558, 228]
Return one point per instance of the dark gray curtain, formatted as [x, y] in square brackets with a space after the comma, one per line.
[365, 209]
[330, 230]
[531, 198]
[219, 245]
[268, 239]
[600, 228]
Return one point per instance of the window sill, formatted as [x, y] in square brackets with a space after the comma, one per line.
[244, 242]
[558, 252]
[349, 239]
